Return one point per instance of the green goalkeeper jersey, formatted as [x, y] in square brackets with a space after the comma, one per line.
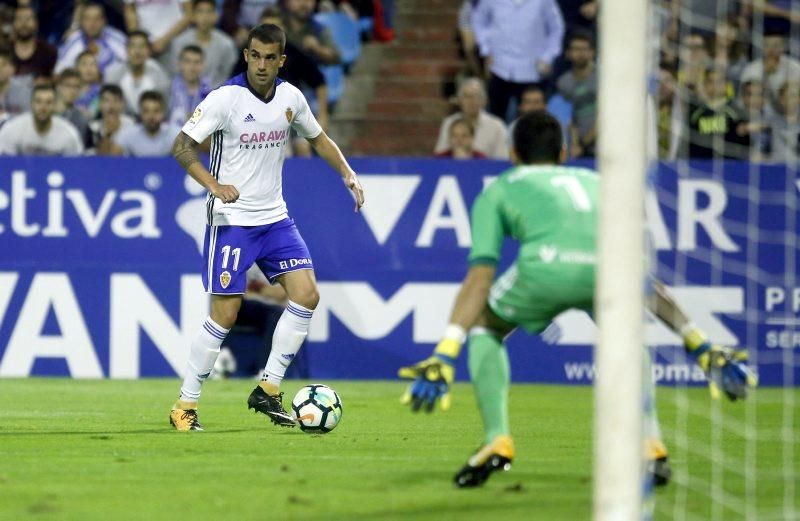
[550, 210]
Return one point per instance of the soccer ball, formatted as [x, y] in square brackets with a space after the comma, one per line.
[317, 408]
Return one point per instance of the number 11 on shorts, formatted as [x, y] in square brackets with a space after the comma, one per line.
[226, 253]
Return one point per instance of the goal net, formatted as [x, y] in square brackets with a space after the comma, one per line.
[721, 220]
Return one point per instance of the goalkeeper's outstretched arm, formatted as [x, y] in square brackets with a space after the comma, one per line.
[724, 366]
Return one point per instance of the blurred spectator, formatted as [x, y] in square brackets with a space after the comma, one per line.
[460, 141]
[93, 34]
[15, 95]
[150, 138]
[775, 68]
[579, 87]
[753, 126]
[713, 121]
[189, 87]
[40, 132]
[784, 122]
[239, 16]
[694, 62]
[580, 15]
[466, 37]
[91, 81]
[112, 119]
[669, 121]
[491, 137]
[532, 100]
[219, 50]
[519, 39]
[32, 55]
[68, 88]
[306, 34]
[139, 73]
[301, 71]
[162, 20]
[730, 53]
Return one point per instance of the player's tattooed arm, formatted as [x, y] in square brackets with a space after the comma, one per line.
[184, 150]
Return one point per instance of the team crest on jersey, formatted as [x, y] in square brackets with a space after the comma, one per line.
[289, 114]
[224, 279]
[198, 113]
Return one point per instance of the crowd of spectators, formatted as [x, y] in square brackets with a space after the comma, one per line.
[123, 77]
[727, 85]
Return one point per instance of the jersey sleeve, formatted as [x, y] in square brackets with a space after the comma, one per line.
[304, 121]
[488, 230]
[211, 115]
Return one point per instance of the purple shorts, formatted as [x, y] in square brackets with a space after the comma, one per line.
[229, 251]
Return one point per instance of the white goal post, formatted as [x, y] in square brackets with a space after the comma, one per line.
[619, 300]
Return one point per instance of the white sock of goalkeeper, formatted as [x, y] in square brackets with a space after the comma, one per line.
[202, 357]
[291, 330]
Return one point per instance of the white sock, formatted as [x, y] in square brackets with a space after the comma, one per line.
[202, 357]
[290, 332]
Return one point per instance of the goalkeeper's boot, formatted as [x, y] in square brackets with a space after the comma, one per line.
[184, 419]
[657, 464]
[494, 456]
[272, 406]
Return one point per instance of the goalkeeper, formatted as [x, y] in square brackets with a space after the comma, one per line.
[551, 211]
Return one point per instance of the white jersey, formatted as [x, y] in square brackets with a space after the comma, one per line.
[250, 136]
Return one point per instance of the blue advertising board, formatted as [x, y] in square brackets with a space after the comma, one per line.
[100, 266]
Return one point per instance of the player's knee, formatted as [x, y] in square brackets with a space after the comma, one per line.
[308, 297]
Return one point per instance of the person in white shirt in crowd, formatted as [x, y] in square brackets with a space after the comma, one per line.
[151, 137]
[94, 35]
[14, 91]
[163, 20]
[491, 137]
[139, 73]
[519, 39]
[784, 122]
[220, 52]
[112, 120]
[774, 69]
[189, 87]
[40, 132]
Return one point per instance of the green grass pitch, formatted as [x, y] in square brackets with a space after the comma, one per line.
[103, 449]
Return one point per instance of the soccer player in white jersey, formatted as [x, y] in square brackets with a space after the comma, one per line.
[249, 119]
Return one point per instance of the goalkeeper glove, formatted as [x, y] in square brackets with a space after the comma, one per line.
[725, 369]
[432, 378]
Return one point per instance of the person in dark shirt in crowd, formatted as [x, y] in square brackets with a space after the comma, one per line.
[32, 55]
[306, 34]
[713, 121]
[579, 87]
[68, 88]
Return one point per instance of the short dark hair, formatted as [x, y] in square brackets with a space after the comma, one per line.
[192, 48]
[153, 95]
[45, 85]
[68, 73]
[111, 89]
[582, 36]
[267, 33]
[538, 138]
[139, 34]
[213, 4]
